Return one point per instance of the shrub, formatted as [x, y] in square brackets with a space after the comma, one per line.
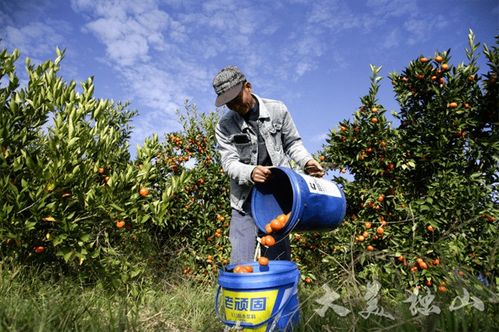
[423, 203]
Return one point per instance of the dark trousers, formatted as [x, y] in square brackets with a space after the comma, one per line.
[242, 236]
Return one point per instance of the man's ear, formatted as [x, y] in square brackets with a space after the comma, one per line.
[248, 85]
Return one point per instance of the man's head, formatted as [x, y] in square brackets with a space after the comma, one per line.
[233, 90]
[228, 83]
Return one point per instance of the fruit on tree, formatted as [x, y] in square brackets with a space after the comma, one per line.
[144, 192]
[39, 249]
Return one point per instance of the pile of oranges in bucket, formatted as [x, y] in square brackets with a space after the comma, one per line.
[267, 240]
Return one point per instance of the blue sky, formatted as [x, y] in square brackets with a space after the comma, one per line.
[313, 55]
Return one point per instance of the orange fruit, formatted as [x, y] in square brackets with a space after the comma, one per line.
[423, 59]
[283, 218]
[101, 170]
[360, 238]
[239, 269]
[381, 198]
[343, 128]
[442, 289]
[401, 258]
[365, 234]
[308, 280]
[430, 228]
[367, 225]
[39, 249]
[414, 269]
[268, 241]
[452, 104]
[248, 268]
[268, 228]
[423, 265]
[380, 230]
[374, 120]
[120, 223]
[439, 58]
[445, 66]
[277, 224]
[263, 261]
[370, 248]
[144, 192]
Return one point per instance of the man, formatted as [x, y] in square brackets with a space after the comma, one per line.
[257, 133]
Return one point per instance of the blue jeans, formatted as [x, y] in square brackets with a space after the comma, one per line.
[242, 236]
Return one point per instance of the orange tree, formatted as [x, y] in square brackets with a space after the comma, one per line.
[70, 195]
[423, 203]
[195, 231]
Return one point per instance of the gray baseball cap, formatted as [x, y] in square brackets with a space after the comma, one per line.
[228, 83]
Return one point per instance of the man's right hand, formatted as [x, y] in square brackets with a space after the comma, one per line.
[260, 174]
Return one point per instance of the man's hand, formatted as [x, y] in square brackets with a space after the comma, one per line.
[260, 174]
[312, 167]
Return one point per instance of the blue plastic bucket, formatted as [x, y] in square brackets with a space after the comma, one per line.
[264, 300]
[315, 204]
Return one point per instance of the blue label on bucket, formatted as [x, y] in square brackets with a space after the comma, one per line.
[321, 186]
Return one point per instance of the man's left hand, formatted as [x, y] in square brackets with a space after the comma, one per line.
[313, 168]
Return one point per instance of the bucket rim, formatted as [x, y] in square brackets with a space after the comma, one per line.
[286, 273]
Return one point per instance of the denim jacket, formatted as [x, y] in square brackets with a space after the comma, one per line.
[238, 145]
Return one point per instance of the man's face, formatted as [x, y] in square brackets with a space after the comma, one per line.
[243, 103]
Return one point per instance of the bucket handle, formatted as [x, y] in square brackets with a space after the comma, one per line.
[244, 324]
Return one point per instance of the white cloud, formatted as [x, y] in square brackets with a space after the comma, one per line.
[420, 30]
[392, 39]
[333, 15]
[128, 31]
[320, 137]
[35, 39]
[392, 8]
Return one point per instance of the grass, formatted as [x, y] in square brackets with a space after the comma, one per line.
[33, 300]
